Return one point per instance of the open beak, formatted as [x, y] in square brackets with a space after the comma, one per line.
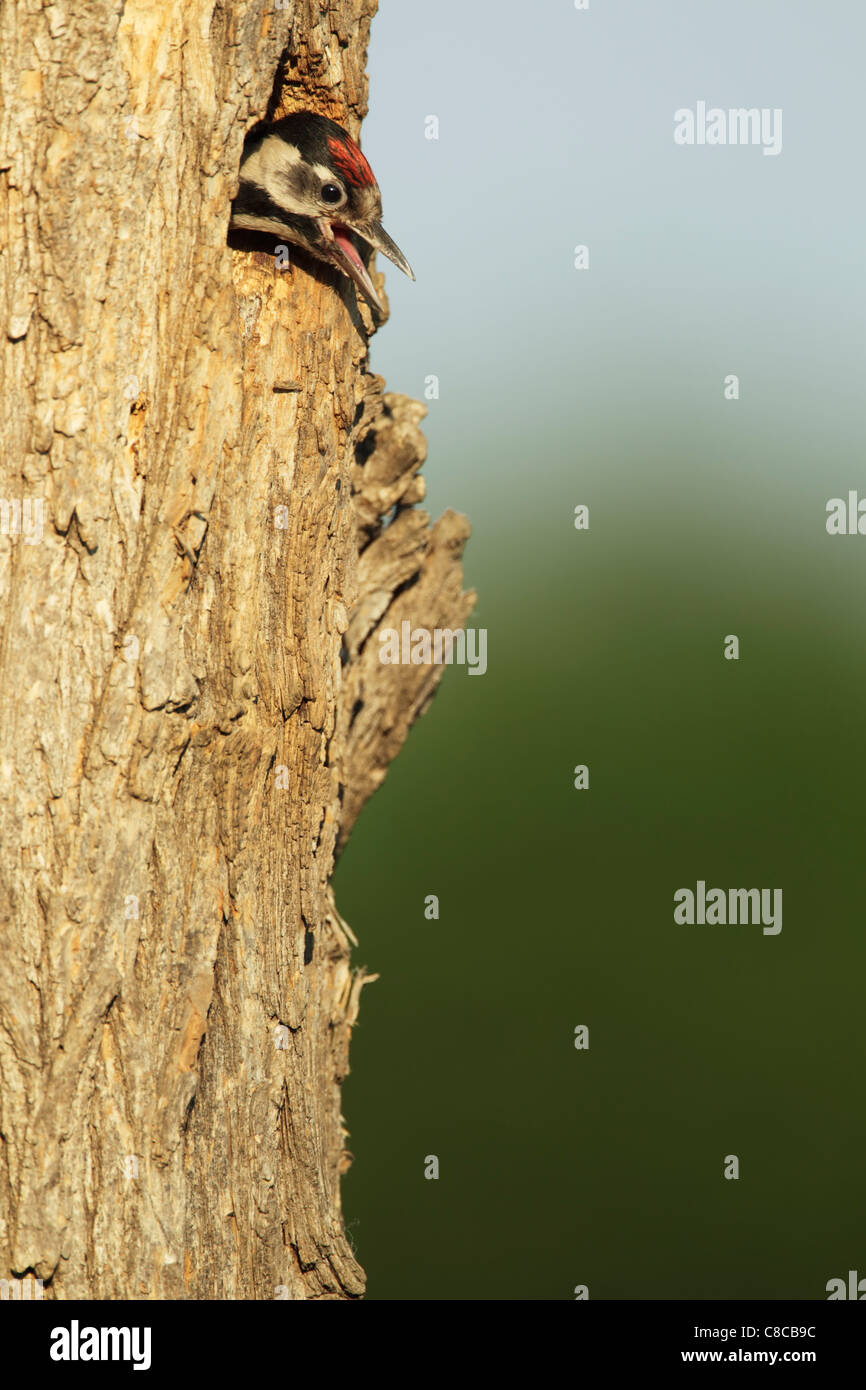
[344, 253]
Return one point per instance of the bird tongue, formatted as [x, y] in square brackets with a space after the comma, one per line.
[346, 245]
[353, 263]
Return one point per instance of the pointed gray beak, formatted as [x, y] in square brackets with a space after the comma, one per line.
[376, 236]
[344, 254]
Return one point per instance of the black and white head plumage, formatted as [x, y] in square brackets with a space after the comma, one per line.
[304, 180]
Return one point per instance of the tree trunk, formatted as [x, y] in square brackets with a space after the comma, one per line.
[193, 569]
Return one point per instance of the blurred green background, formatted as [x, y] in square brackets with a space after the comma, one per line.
[707, 517]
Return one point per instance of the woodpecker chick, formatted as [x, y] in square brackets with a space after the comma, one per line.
[304, 180]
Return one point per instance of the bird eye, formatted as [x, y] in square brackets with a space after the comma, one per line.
[331, 193]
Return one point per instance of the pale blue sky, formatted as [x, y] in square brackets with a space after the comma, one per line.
[556, 127]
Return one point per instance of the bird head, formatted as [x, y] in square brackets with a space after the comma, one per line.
[303, 179]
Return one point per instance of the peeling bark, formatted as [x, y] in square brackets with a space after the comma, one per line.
[192, 708]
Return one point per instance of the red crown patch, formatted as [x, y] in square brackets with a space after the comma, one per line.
[350, 162]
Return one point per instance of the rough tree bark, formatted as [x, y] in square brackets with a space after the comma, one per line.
[192, 711]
